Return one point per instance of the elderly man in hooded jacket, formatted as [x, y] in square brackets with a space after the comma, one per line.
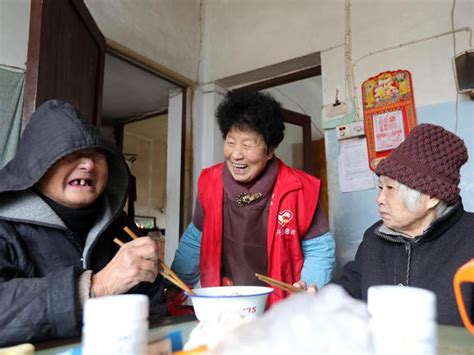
[61, 201]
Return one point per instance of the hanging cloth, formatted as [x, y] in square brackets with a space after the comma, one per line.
[11, 102]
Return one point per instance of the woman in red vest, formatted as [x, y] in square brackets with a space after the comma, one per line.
[253, 213]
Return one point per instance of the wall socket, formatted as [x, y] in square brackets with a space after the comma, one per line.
[350, 130]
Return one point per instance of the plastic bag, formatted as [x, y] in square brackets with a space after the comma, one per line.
[330, 322]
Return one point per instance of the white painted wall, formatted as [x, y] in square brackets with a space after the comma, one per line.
[166, 31]
[249, 34]
[14, 26]
[208, 144]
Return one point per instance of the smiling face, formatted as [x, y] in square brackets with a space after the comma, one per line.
[397, 216]
[246, 154]
[77, 179]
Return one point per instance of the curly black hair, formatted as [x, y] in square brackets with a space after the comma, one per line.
[257, 111]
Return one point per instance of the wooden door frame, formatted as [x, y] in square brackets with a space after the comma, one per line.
[281, 80]
[186, 85]
[304, 121]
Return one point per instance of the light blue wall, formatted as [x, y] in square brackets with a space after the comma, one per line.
[444, 115]
[352, 213]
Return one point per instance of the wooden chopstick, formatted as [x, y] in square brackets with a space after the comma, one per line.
[279, 284]
[118, 242]
[130, 232]
[171, 274]
[168, 276]
[172, 279]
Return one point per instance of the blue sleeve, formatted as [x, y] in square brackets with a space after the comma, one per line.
[186, 259]
[319, 257]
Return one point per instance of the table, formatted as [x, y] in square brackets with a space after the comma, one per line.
[158, 330]
[454, 340]
[451, 340]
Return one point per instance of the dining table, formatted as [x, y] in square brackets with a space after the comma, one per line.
[451, 340]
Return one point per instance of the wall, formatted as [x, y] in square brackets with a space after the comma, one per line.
[144, 139]
[14, 25]
[303, 96]
[173, 176]
[248, 35]
[429, 61]
[243, 35]
[165, 31]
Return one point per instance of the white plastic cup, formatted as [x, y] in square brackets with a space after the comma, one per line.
[115, 325]
[403, 320]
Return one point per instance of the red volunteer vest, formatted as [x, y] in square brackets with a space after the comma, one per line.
[292, 207]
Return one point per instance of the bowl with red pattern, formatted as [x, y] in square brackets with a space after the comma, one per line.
[212, 302]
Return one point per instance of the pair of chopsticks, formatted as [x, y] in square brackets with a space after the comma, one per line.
[279, 284]
[166, 271]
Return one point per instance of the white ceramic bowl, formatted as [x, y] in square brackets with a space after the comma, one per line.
[210, 302]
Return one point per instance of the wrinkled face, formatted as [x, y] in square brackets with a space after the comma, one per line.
[397, 216]
[77, 179]
[246, 154]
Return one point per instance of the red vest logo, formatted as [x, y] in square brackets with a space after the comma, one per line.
[284, 217]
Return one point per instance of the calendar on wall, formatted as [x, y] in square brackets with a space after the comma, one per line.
[389, 112]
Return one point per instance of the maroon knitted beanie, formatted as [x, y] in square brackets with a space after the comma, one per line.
[428, 160]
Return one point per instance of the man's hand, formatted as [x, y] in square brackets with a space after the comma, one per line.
[309, 289]
[135, 262]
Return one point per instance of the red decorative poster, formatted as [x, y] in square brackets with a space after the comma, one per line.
[389, 112]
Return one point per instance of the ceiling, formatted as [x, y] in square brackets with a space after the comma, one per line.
[131, 92]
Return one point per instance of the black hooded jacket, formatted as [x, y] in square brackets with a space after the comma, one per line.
[40, 261]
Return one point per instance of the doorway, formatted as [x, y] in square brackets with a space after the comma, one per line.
[142, 108]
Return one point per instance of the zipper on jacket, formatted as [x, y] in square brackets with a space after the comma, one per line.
[408, 249]
[73, 240]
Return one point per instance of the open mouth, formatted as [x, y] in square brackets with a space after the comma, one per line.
[81, 182]
[239, 166]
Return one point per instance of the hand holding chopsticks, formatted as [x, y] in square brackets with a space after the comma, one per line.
[279, 284]
[134, 263]
[165, 271]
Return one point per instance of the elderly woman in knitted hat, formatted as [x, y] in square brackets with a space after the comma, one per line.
[424, 235]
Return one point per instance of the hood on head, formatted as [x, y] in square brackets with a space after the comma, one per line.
[55, 130]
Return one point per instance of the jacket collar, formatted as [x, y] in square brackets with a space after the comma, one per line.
[27, 207]
[262, 184]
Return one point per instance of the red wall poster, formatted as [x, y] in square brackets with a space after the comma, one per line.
[389, 112]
